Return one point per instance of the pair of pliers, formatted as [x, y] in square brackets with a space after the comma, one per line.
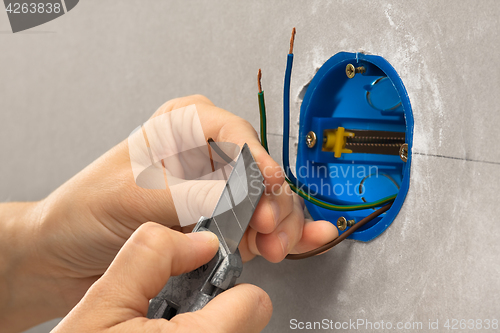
[191, 291]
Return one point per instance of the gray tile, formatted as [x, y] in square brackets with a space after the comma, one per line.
[88, 86]
[438, 260]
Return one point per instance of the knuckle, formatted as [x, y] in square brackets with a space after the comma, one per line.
[197, 99]
[102, 287]
[179, 102]
[200, 98]
[166, 107]
[146, 228]
[238, 130]
[152, 235]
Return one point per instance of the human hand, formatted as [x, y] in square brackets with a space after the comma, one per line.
[118, 301]
[82, 225]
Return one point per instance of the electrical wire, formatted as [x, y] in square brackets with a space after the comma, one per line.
[295, 188]
[295, 185]
[219, 152]
[339, 239]
[262, 109]
[327, 246]
[318, 199]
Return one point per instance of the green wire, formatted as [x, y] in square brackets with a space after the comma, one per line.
[319, 203]
[330, 206]
[263, 121]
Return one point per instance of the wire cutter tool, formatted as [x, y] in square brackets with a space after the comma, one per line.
[191, 291]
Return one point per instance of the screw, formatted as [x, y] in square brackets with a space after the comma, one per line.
[341, 223]
[351, 71]
[403, 152]
[350, 223]
[311, 139]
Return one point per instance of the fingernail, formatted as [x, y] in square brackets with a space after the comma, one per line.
[284, 242]
[203, 237]
[276, 211]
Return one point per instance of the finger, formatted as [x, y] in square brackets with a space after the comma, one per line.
[240, 131]
[276, 245]
[302, 203]
[247, 253]
[224, 126]
[272, 209]
[244, 308]
[193, 199]
[314, 235]
[145, 263]
[181, 202]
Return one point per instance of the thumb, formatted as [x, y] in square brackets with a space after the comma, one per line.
[244, 308]
[150, 257]
[137, 274]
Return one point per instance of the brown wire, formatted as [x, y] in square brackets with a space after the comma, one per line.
[219, 151]
[292, 40]
[339, 239]
[351, 230]
[210, 154]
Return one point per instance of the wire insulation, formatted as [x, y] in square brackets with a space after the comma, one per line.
[339, 239]
[263, 121]
[220, 152]
[318, 199]
[295, 185]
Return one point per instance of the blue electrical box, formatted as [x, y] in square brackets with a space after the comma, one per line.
[355, 139]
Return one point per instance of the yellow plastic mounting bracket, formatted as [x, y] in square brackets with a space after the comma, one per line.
[334, 141]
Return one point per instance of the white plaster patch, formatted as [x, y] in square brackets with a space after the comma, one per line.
[391, 22]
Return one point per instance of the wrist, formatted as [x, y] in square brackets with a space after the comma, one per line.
[27, 292]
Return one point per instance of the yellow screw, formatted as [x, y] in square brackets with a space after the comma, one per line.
[311, 139]
[403, 152]
[343, 223]
[351, 71]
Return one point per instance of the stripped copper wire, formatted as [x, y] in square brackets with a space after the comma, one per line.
[292, 40]
[259, 79]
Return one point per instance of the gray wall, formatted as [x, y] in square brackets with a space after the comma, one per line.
[73, 88]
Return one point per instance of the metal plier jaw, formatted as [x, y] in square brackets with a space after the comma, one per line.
[191, 291]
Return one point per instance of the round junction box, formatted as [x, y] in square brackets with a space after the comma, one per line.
[360, 101]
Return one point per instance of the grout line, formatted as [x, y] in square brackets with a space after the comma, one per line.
[275, 134]
[457, 158]
[423, 154]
